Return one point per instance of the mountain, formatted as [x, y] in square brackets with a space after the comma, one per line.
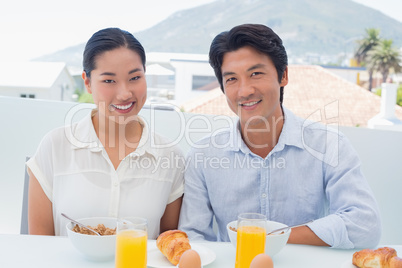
[72, 56]
[306, 26]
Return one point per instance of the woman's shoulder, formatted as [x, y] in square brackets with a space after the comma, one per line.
[60, 135]
[165, 145]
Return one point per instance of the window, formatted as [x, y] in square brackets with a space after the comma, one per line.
[31, 96]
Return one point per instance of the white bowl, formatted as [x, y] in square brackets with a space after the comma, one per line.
[97, 248]
[274, 243]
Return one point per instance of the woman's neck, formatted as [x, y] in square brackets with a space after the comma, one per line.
[114, 135]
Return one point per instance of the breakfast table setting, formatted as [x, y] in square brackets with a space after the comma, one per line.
[108, 242]
[58, 252]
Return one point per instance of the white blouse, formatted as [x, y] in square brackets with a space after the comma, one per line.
[77, 176]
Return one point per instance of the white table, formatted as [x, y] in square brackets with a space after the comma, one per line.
[58, 252]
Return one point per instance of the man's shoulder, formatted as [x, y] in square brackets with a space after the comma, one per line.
[218, 135]
[312, 127]
[216, 142]
[318, 129]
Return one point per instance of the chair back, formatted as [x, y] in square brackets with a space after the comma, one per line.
[24, 211]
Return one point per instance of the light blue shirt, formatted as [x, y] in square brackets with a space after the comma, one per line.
[313, 173]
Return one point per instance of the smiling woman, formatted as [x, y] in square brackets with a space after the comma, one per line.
[90, 173]
[114, 73]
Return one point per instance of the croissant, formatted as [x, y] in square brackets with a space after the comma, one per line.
[172, 244]
[380, 258]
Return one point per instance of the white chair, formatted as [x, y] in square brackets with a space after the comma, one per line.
[24, 211]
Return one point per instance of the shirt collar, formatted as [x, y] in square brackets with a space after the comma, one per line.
[239, 144]
[147, 143]
[291, 134]
[82, 135]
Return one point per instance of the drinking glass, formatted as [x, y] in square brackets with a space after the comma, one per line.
[131, 243]
[251, 235]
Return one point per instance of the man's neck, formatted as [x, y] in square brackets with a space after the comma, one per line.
[262, 137]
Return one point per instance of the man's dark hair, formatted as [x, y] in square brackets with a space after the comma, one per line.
[260, 37]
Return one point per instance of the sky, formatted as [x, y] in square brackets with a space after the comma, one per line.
[30, 29]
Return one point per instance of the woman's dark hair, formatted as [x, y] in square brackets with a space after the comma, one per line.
[106, 40]
[260, 37]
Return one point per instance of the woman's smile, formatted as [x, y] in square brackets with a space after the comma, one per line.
[122, 108]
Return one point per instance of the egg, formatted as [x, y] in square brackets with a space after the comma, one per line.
[262, 261]
[190, 259]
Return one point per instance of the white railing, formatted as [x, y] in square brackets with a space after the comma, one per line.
[24, 122]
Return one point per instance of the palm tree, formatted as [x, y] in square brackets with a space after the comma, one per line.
[368, 43]
[384, 57]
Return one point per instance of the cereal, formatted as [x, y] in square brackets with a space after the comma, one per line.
[101, 229]
[232, 228]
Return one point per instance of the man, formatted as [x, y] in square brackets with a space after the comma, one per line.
[273, 162]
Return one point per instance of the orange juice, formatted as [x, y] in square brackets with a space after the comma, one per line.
[250, 243]
[131, 249]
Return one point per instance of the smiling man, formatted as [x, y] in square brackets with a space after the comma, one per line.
[277, 164]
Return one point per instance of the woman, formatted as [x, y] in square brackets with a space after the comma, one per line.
[105, 164]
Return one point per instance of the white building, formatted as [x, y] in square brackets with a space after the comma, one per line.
[191, 75]
[38, 80]
[351, 74]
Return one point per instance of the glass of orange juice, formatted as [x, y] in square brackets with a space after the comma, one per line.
[251, 235]
[131, 243]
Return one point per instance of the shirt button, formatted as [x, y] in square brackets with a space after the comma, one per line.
[116, 184]
[264, 195]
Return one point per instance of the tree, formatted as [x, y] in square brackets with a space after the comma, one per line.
[384, 58]
[368, 43]
[86, 98]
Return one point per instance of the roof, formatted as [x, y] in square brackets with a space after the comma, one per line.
[314, 93]
[30, 74]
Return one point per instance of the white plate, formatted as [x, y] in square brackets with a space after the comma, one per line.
[157, 259]
[349, 264]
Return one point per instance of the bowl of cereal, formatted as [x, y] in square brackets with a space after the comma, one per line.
[92, 246]
[274, 243]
